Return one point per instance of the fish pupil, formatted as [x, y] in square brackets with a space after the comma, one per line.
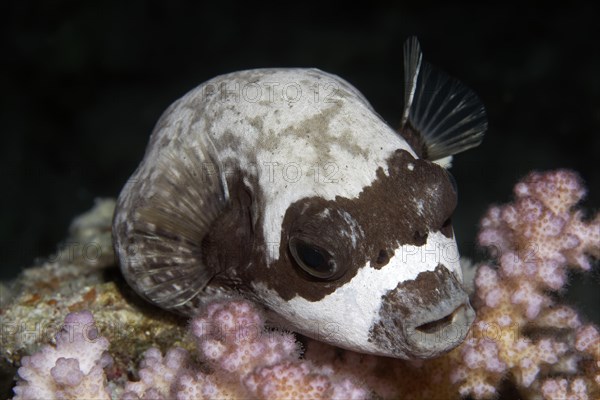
[314, 258]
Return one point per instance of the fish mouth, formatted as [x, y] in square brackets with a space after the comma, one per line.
[440, 335]
[425, 317]
[438, 325]
[445, 319]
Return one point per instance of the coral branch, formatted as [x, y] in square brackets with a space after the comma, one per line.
[537, 238]
[71, 370]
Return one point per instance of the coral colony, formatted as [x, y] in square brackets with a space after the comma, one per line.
[522, 337]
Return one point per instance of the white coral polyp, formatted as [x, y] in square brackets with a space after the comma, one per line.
[71, 370]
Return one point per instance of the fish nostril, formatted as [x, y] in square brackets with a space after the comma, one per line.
[446, 227]
[420, 237]
[382, 257]
[440, 324]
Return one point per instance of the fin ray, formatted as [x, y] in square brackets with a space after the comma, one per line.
[412, 65]
[171, 217]
[447, 116]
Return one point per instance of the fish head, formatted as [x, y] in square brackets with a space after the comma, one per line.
[378, 273]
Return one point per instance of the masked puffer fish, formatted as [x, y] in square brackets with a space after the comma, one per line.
[285, 187]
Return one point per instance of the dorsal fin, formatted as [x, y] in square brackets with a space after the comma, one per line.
[447, 117]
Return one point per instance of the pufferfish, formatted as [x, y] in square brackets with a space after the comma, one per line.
[284, 186]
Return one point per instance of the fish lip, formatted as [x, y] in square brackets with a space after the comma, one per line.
[424, 317]
[436, 336]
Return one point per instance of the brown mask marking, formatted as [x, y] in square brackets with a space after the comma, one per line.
[387, 214]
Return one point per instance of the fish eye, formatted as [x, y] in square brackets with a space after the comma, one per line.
[313, 259]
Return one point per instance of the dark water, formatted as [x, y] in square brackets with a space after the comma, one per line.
[84, 82]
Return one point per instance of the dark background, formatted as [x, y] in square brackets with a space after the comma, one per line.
[84, 82]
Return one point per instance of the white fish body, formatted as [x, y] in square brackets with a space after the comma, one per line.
[285, 187]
